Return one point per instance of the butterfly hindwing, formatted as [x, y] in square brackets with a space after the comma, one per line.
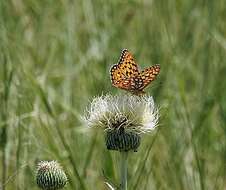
[148, 75]
[124, 84]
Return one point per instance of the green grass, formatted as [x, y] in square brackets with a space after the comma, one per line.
[55, 57]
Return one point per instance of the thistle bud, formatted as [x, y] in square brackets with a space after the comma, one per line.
[122, 141]
[50, 176]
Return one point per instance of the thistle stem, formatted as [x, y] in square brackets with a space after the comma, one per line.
[123, 170]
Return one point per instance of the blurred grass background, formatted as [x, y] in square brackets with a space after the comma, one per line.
[55, 57]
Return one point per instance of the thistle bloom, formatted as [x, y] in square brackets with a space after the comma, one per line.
[123, 118]
[50, 176]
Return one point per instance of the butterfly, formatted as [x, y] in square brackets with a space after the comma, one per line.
[126, 75]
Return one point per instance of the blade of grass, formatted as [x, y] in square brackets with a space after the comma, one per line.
[50, 111]
[192, 142]
[7, 78]
[143, 162]
[63, 140]
[89, 154]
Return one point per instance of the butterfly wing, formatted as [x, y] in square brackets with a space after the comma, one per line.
[148, 75]
[123, 72]
[124, 84]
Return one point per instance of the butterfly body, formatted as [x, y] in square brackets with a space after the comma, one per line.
[125, 74]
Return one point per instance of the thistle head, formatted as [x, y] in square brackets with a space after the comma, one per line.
[50, 176]
[123, 118]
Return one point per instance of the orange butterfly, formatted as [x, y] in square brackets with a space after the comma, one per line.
[125, 74]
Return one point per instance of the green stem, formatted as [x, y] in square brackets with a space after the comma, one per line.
[123, 170]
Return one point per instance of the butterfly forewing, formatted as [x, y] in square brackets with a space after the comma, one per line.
[125, 69]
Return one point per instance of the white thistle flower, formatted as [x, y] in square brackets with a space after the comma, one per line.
[123, 118]
[133, 113]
